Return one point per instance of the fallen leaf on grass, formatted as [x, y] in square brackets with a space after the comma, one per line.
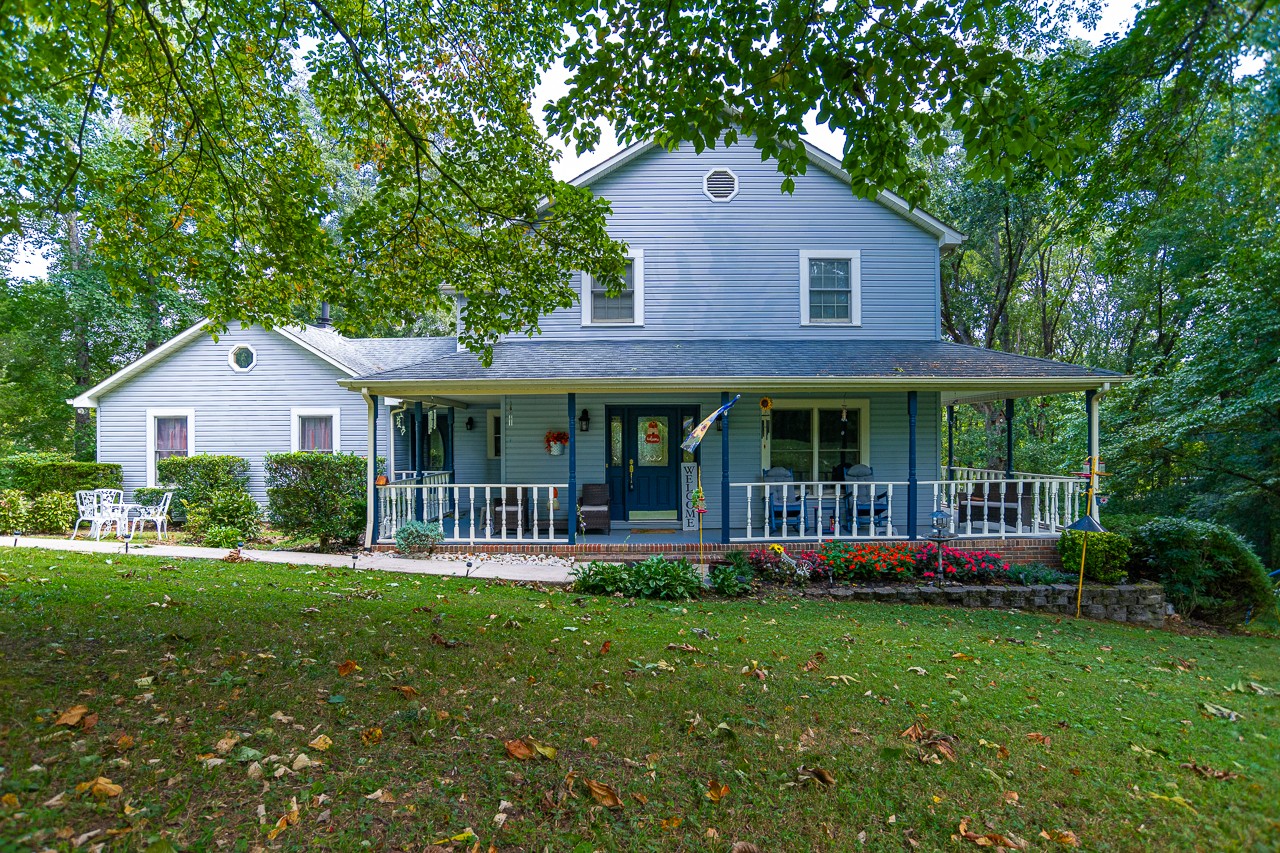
[1209, 773]
[715, 791]
[810, 666]
[1252, 687]
[371, 736]
[1001, 752]
[640, 798]
[754, 671]
[843, 679]
[994, 840]
[382, 796]
[963, 656]
[592, 741]
[918, 670]
[347, 667]
[226, 744]
[100, 787]
[437, 640]
[608, 644]
[322, 742]
[1061, 836]
[519, 750]
[124, 743]
[72, 716]
[604, 794]
[463, 837]
[1036, 737]
[406, 691]
[744, 847]
[1176, 800]
[819, 775]
[286, 820]
[1220, 711]
[672, 823]
[9, 800]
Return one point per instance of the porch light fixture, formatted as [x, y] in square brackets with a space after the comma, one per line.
[471, 424]
[511, 415]
[584, 421]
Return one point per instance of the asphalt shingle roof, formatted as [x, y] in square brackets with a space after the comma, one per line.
[728, 358]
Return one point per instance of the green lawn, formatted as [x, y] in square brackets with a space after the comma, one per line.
[174, 657]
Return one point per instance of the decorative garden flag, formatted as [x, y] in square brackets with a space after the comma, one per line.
[697, 433]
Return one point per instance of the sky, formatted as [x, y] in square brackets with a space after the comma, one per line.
[1116, 18]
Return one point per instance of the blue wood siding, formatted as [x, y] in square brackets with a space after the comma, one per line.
[717, 270]
[240, 414]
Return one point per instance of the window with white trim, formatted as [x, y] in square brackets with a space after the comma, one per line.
[831, 288]
[623, 309]
[493, 436]
[315, 430]
[170, 432]
[812, 438]
[241, 358]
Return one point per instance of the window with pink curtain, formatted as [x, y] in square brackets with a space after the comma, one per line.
[171, 437]
[315, 432]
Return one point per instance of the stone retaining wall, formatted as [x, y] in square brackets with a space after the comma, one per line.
[1140, 604]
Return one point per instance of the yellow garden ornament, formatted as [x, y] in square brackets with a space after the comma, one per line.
[766, 404]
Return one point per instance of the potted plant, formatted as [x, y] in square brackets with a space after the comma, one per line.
[556, 440]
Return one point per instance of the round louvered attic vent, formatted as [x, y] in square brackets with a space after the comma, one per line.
[720, 185]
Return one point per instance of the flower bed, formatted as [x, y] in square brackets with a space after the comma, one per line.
[889, 562]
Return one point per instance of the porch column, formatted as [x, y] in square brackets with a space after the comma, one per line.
[416, 455]
[951, 442]
[1008, 438]
[573, 469]
[912, 486]
[448, 465]
[371, 493]
[724, 470]
[1091, 410]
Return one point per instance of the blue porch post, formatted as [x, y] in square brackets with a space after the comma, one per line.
[572, 503]
[416, 455]
[448, 465]
[724, 470]
[951, 445]
[1008, 438]
[373, 464]
[912, 487]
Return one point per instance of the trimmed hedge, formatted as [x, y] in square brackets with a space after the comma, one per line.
[317, 494]
[194, 479]
[225, 509]
[37, 474]
[1106, 558]
[1207, 570]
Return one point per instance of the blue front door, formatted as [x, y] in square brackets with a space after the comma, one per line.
[644, 462]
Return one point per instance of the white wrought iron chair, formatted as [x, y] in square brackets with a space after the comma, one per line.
[87, 510]
[157, 514]
[111, 510]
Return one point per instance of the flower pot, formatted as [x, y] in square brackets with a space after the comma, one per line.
[556, 449]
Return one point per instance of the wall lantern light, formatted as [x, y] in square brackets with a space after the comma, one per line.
[584, 421]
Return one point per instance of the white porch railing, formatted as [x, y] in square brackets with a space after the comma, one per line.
[961, 473]
[493, 512]
[1032, 505]
[820, 510]
[1028, 506]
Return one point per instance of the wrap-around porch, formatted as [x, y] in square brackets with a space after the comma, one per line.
[480, 467]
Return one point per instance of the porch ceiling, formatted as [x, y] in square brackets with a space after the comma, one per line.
[546, 366]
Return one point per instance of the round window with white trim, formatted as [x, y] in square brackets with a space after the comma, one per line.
[242, 358]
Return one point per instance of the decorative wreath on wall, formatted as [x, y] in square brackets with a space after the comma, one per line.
[766, 404]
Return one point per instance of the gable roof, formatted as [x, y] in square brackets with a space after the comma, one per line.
[352, 356]
[948, 237]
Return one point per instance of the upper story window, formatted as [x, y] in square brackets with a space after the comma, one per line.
[831, 288]
[315, 430]
[242, 358]
[625, 309]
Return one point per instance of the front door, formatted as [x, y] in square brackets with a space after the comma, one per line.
[644, 462]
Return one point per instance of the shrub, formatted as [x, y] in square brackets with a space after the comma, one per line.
[150, 496]
[52, 512]
[1106, 556]
[193, 478]
[1034, 574]
[765, 563]
[1208, 571]
[600, 578]
[219, 536]
[732, 578]
[13, 511]
[317, 494]
[656, 577]
[415, 536]
[234, 508]
[37, 474]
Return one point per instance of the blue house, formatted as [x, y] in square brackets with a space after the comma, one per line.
[817, 311]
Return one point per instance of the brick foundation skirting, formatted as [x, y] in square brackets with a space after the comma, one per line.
[1017, 550]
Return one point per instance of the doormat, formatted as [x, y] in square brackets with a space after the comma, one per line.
[650, 531]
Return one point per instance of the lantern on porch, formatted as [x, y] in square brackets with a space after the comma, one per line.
[939, 534]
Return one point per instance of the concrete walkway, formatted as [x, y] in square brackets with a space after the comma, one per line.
[514, 567]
